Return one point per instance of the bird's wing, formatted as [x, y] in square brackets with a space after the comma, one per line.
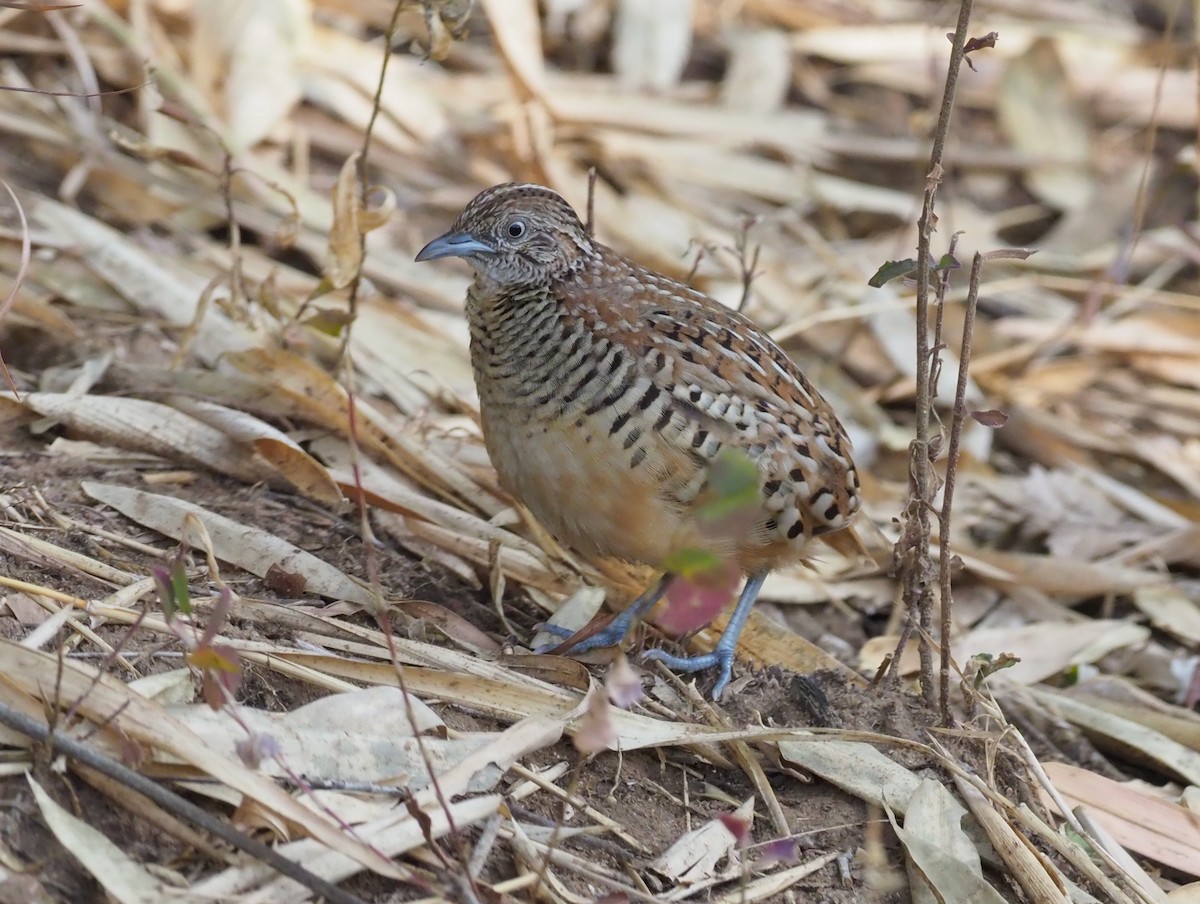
[729, 386]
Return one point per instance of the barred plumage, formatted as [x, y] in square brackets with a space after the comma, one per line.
[607, 391]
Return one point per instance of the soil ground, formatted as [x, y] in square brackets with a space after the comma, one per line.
[641, 789]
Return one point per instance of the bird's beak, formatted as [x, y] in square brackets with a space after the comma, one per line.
[454, 244]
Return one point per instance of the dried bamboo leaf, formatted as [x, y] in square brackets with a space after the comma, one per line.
[1128, 738]
[149, 427]
[694, 857]
[856, 768]
[1042, 117]
[651, 42]
[250, 548]
[245, 58]
[126, 880]
[1121, 697]
[519, 40]
[107, 701]
[155, 289]
[1038, 878]
[1170, 609]
[1145, 823]
[273, 446]
[765, 888]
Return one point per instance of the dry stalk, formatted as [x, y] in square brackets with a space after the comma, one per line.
[913, 547]
[10, 297]
[590, 226]
[371, 560]
[945, 559]
[747, 259]
[174, 804]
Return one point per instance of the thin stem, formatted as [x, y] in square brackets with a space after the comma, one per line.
[915, 540]
[956, 425]
[174, 804]
[590, 227]
[348, 380]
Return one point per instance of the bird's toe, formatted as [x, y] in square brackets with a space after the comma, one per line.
[721, 659]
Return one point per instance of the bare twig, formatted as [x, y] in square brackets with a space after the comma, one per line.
[590, 226]
[956, 424]
[701, 249]
[174, 804]
[958, 418]
[913, 546]
[372, 562]
[747, 261]
[10, 296]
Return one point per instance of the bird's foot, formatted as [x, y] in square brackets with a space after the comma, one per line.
[609, 636]
[720, 657]
[614, 632]
[556, 630]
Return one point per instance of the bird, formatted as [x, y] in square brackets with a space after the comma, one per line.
[607, 392]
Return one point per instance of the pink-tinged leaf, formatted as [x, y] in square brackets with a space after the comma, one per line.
[596, 732]
[781, 850]
[738, 826]
[623, 683]
[217, 658]
[216, 619]
[166, 593]
[992, 417]
[211, 691]
[256, 747]
[692, 602]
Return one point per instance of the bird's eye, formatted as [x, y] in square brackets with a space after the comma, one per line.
[516, 229]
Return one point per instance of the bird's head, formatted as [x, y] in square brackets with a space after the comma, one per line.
[516, 234]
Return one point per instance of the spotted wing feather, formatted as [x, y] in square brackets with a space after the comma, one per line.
[722, 383]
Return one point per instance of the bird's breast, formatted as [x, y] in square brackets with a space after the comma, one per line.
[608, 439]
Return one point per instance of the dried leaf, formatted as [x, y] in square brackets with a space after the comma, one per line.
[247, 547]
[1144, 823]
[992, 417]
[596, 731]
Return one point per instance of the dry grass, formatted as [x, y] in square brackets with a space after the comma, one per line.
[218, 340]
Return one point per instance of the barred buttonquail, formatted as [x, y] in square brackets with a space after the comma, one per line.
[607, 390]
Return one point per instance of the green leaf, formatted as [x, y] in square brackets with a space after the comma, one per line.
[895, 269]
[179, 587]
[988, 665]
[946, 262]
[892, 270]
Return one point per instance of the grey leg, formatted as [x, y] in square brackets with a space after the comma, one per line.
[613, 633]
[722, 656]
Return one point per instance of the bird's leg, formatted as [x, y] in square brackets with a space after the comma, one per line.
[722, 656]
[614, 632]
